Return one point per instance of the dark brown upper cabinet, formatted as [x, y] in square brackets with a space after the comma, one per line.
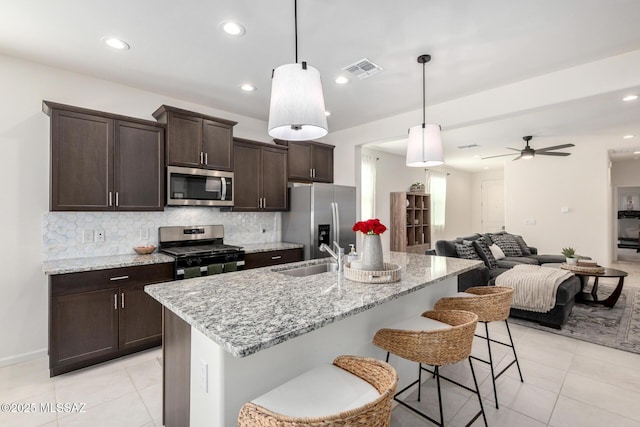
[104, 162]
[260, 176]
[197, 140]
[309, 161]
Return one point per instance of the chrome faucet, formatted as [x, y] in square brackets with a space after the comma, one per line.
[337, 256]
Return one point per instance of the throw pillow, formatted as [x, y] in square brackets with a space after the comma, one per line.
[496, 251]
[466, 250]
[507, 243]
[523, 245]
[482, 247]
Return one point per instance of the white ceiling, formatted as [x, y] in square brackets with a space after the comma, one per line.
[177, 49]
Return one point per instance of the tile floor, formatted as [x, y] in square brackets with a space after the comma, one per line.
[567, 383]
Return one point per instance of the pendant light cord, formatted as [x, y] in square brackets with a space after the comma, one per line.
[424, 96]
[295, 24]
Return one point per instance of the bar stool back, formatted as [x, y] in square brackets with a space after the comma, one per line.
[435, 338]
[354, 391]
[491, 304]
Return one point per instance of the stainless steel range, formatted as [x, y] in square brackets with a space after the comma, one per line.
[199, 250]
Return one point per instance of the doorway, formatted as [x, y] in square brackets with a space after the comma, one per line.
[492, 212]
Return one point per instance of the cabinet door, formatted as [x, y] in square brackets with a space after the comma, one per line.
[264, 259]
[300, 161]
[322, 163]
[274, 179]
[184, 140]
[246, 177]
[139, 167]
[217, 145]
[81, 170]
[140, 322]
[83, 326]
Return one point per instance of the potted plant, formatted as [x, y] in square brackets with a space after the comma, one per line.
[570, 255]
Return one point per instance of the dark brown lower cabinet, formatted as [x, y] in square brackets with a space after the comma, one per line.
[100, 315]
[176, 370]
[264, 259]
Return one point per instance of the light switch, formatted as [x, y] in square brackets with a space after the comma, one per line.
[87, 236]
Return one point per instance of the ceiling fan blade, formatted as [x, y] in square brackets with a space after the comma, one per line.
[555, 147]
[517, 158]
[514, 149]
[552, 154]
[501, 155]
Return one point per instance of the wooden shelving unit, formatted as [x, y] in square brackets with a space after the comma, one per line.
[410, 222]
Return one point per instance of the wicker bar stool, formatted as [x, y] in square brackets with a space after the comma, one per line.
[491, 304]
[353, 391]
[435, 338]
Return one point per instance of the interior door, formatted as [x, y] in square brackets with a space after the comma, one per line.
[492, 206]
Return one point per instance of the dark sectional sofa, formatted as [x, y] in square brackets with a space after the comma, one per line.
[473, 247]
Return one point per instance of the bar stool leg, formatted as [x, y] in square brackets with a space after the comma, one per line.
[437, 371]
[493, 375]
[475, 383]
[419, 380]
[513, 347]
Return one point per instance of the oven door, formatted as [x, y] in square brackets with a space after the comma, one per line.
[190, 267]
[199, 187]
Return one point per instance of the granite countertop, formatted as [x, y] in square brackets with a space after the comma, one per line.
[251, 310]
[76, 265]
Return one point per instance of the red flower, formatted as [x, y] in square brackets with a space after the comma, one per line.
[370, 226]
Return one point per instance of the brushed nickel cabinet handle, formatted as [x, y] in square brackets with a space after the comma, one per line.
[206, 158]
[201, 157]
[115, 301]
[110, 199]
[264, 203]
[119, 278]
[122, 299]
[276, 257]
[117, 201]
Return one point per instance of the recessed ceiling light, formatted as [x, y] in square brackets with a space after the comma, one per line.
[327, 113]
[341, 80]
[248, 87]
[628, 136]
[232, 28]
[630, 98]
[116, 43]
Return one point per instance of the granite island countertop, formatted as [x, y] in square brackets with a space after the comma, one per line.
[76, 265]
[251, 310]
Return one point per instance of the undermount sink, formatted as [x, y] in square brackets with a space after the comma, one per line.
[310, 270]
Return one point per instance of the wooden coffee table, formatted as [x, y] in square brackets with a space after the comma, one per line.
[592, 296]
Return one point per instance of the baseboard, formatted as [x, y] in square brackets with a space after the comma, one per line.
[24, 357]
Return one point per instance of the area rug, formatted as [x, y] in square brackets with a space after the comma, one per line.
[617, 327]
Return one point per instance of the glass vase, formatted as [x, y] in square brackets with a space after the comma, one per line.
[372, 253]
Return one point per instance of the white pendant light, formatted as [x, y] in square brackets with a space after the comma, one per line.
[297, 112]
[424, 148]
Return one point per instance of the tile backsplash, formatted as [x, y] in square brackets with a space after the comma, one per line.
[64, 233]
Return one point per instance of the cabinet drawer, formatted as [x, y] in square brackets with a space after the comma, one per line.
[263, 259]
[86, 281]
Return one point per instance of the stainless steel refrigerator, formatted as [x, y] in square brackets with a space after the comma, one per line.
[320, 213]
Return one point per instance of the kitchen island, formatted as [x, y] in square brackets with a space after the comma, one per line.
[229, 338]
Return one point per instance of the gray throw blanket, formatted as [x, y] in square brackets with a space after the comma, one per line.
[534, 287]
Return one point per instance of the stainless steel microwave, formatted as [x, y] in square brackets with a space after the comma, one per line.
[199, 187]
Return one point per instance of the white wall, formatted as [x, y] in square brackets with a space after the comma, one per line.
[393, 175]
[24, 141]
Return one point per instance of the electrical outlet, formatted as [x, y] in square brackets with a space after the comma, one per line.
[144, 234]
[99, 237]
[87, 236]
[204, 376]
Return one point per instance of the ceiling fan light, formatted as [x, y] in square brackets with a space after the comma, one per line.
[424, 148]
[297, 112]
[527, 156]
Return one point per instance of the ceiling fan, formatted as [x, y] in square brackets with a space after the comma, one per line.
[529, 153]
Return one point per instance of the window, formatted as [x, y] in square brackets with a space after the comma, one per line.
[368, 197]
[437, 187]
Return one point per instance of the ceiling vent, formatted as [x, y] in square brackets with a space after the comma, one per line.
[363, 69]
[466, 147]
